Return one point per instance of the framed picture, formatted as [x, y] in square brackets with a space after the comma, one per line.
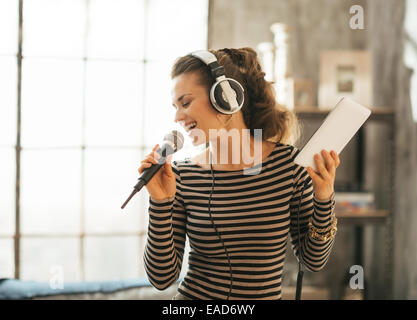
[345, 73]
[298, 92]
[304, 95]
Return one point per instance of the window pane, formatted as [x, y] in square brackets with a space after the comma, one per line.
[113, 103]
[52, 100]
[54, 27]
[141, 252]
[184, 267]
[47, 259]
[6, 258]
[143, 213]
[9, 23]
[410, 51]
[8, 102]
[123, 37]
[50, 191]
[173, 35]
[111, 258]
[7, 191]
[109, 179]
[159, 112]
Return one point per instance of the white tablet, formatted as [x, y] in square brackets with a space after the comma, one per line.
[337, 129]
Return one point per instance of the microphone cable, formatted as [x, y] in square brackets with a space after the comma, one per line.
[300, 272]
[215, 228]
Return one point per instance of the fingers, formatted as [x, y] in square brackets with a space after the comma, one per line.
[146, 163]
[143, 166]
[320, 166]
[154, 155]
[168, 159]
[327, 168]
[151, 158]
[167, 165]
[335, 157]
[330, 163]
[323, 180]
[313, 174]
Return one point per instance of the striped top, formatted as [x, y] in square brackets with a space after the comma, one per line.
[255, 216]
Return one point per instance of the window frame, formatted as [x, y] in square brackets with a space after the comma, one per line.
[17, 149]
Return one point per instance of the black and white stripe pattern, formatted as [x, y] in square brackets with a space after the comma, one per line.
[255, 215]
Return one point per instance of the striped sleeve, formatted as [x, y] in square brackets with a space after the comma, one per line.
[314, 253]
[165, 243]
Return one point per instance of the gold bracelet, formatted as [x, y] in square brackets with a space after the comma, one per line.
[331, 231]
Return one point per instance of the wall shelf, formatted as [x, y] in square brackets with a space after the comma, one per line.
[382, 217]
[313, 112]
[362, 217]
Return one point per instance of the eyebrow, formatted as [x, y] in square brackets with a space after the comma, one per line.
[180, 98]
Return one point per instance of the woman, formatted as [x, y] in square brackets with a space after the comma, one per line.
[237, 224]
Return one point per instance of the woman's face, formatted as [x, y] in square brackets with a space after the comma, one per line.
[193, 107]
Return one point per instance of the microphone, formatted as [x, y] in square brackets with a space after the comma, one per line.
[173, 142]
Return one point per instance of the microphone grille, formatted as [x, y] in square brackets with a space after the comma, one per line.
[176, 138]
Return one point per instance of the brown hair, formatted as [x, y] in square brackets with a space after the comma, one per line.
[260, 109]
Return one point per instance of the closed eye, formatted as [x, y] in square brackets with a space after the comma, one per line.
[183, 105]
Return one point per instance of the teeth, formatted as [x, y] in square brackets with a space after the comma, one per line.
[191, 125]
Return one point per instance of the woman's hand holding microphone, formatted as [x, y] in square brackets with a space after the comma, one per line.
[163, 184]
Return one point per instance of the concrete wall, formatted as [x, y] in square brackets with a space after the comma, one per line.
[324, 24]
[392, 88]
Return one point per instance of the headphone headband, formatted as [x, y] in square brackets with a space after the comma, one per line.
[206, 56]
[210, 59]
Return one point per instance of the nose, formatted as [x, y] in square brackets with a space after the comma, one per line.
[179, 116]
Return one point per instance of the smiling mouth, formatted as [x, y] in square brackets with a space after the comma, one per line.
[190, 126]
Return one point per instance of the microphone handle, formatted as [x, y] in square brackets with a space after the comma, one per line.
[148, 173]
[144, 179]
[299, 285]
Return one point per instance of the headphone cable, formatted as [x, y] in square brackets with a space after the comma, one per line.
[300, 272]
[218, 234]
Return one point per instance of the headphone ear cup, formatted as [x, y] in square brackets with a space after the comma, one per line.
[218, 98]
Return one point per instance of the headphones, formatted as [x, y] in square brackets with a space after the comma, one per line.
[226, 94]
